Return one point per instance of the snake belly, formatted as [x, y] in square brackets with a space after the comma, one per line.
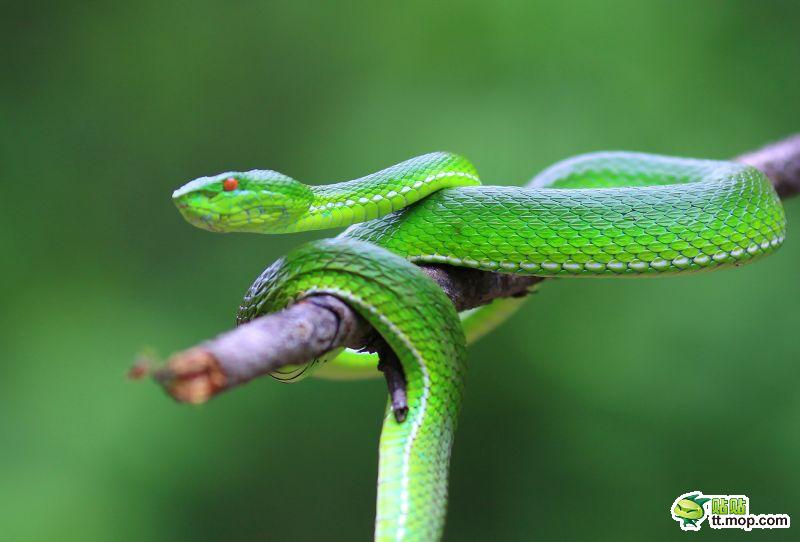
[609, 214]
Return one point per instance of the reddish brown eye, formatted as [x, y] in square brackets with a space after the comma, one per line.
[230, 184]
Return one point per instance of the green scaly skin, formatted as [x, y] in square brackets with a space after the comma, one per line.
[427, 338]
[610, 214]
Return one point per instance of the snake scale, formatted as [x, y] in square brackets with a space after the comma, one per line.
[605, 214]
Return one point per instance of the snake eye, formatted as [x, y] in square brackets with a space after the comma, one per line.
[230, 184]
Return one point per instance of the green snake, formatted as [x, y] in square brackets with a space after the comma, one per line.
[606, 214]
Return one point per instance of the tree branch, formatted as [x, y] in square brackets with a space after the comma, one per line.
[319, 324]
[780, 161]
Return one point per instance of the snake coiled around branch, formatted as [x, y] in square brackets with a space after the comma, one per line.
[607, 214]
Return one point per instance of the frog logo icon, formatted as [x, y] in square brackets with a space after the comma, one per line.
[688, 510]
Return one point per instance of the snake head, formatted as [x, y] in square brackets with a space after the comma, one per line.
[261, 201]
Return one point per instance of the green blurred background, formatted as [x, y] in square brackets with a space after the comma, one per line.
[585, 416]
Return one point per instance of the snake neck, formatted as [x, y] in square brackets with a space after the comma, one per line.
[342, 204]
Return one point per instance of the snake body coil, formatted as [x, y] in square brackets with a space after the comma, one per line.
[604, 214]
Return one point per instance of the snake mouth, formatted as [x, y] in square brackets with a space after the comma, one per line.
[206, 219]
[217, 220]
[244, 211]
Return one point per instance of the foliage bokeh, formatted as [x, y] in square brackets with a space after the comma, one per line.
[585, 416]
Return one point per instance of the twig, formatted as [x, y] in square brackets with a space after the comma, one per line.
[395, 381]
[319, 324]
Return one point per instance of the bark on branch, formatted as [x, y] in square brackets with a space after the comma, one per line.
[322, 323]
